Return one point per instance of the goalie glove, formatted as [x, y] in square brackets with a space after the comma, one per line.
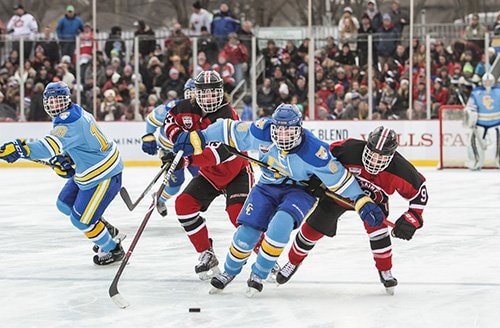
[14, 150]
[63, 166]
[406, 225]
[149, 144]
[369, 211]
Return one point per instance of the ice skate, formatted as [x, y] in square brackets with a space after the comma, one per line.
[114, 256]
[220, 282]
[388, 280]
[161, 207]
[274, 272]
[286, 273]
[113, 231]
[254, 284]
[208, 266]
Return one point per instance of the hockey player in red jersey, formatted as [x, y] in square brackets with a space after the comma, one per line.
[380, 171]
[221, 173]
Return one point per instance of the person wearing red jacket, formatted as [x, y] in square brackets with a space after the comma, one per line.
[381, 171]
[221, 173]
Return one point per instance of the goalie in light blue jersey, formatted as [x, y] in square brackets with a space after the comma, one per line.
[278, 203]
[79, 151]
[150, 144]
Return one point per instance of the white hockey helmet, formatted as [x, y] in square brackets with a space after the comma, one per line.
[488, 81]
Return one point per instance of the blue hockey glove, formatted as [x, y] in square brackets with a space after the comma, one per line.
[406, 225]
[190, 142]
[63, 166]
[149, 144]
[369, 211]
[14, 150]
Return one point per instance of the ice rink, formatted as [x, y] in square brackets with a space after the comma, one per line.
[449, 274]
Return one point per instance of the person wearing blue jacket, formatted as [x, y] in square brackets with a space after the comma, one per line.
[68, 27]
[223, 23]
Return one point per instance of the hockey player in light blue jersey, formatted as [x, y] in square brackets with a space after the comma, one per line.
[278, 203]
[80, 152]
[482, 113]
[150, 145]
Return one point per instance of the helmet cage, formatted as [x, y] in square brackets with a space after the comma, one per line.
[55, 105]
[374, 162]
[286, 137]
[209, 99]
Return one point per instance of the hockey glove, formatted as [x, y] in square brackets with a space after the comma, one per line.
[149, 144]
[315, 187]
[14, 150]
[406, 225]
[369, 211]
[190, 142]
[63, 166]
[168, 157]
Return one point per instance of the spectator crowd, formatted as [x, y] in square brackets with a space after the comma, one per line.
[224, 44]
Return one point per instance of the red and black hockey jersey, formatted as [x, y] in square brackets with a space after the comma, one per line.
[400, 176]
[216, 164]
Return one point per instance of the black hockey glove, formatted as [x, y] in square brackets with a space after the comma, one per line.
[315, 187]
[406, 225]
[168, 157]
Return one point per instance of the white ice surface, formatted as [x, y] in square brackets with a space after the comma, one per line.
[449, 274]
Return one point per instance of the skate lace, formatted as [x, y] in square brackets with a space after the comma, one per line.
[387, 275]
[206, 257]
[225, 277]
[288, 269]
[256, 278]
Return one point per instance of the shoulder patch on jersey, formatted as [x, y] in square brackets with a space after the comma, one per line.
[59, 131]
[355, 171]
[260, 123]
[322, 153]
[64, 115]
[264, 148]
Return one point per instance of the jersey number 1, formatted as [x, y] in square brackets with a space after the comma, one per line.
[100, 137]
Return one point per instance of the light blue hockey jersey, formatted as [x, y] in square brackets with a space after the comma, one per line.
[487, 105]
[75, 133]
[156, 119]
[312, 156]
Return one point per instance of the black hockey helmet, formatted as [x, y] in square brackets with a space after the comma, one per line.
[209, 91]
[379, 150]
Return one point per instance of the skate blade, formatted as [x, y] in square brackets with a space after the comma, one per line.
[209, 274]
[215, 291]
[389, 290]
[251, 292]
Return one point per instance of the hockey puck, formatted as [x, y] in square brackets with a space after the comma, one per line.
[194, 310]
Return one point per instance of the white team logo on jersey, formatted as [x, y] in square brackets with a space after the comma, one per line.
[355, 170]
[264, 149]
[187, 121]
[64, 115]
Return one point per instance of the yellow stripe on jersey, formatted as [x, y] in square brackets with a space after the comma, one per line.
[165, 143]
[53, 145]
[101, 168]
[239, 254]
[94, 202]
[153, 120]
[98, 228]
[340, 184]
[270, 249]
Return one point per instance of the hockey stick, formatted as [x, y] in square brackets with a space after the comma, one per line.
[331, 194]
[115, 295]
[126, 196]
